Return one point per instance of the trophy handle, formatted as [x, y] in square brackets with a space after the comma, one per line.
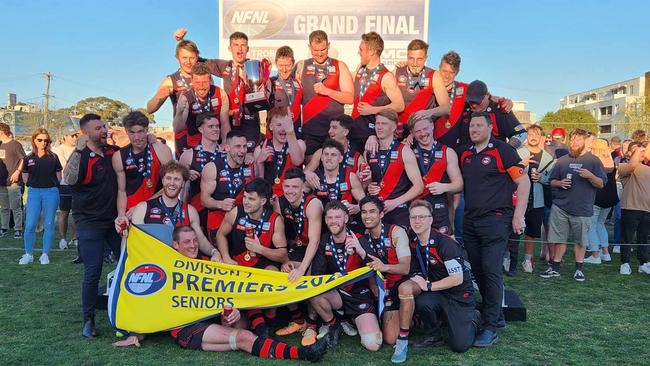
[266, 70]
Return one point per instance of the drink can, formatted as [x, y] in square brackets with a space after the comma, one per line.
[534, 170]
[569, 176]
[250, 232]
[227, 310]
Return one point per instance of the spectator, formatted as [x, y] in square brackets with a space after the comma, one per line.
[539, 164]
[623, 157]
[42, 173]
[635, 207]
[575, 178]
[606, 198]
[11, 153]
[63, 151]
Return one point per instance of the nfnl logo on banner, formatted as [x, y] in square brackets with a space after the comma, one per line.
[145, 279]
[271, 24]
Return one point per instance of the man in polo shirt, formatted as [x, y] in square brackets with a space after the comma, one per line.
[94, 205]
[575, 179]
[492, 170]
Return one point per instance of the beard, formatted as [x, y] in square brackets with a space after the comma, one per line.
[576, 152]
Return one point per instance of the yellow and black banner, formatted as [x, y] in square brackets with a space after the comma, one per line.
[155, 288]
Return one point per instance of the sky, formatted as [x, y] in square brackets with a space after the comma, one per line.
[533, 51]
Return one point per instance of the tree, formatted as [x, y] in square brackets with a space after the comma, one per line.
[637, 116]
[111, 110]
[569, 119]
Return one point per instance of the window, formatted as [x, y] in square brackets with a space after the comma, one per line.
[605, 129]
[606, 111]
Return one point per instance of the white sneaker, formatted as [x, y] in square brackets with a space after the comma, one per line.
[605, 257]
[616, 249]
[73, 243]
[593, 260]
[527, 265]
[63, 244]
[625, 269]
[322, 331]
[645, 268]
[26, 259]
[44, 259]
[349, 329]
[506, 264]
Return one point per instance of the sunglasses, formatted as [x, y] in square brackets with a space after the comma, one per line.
[43, 140]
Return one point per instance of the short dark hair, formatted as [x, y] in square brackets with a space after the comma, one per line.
[176, 234]
[579, 132]
[294, 172]
[176, 167]
[203, 116]
[200, 68]
[331, 143]
[284, 51]
[259, 186]
[335, 205]
[536, 127]
[345, 121]
[87, 118]
[484, 115]
[135, 118]
[237, 35]
[638, 135]
[372, 199]
[235, 133]
[452, 58]
[418, 44]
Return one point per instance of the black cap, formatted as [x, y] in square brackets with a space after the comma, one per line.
[476, 91]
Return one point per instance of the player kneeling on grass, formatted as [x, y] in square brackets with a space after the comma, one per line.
[210, 336]
[340, 252]
[441, 285]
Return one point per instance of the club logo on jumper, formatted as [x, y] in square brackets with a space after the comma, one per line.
[145, 279]
[486, 160]
[258, 19]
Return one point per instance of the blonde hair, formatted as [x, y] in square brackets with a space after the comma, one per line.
[600, 148]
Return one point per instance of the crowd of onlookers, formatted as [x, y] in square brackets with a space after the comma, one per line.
[620, 199]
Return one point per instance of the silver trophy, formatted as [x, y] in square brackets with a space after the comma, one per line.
[257, 75]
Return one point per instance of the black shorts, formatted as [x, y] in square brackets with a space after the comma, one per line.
[191, 336]
[441, 218]
[534, 218]
[296, 253]
[357, 303]
[399, 216]
[65, 198]
[391, 301]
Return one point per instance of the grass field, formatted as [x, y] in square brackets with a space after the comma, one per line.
[604, 320]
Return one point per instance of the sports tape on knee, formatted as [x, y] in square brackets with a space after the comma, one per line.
[405, 297]
[233, 340]
[370, 339]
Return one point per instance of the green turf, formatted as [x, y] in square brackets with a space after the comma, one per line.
[601, 321]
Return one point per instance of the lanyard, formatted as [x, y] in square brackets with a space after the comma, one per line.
[325, 74]
[259, 225]
[291, 93]
[365, 80]
[204, 107]
[417, 80]
[335, 192]
[380, 248]
[279, 159]
[299, 220]
[424, 265]
[182, 79]
[232, 190]
[144, 168]
[385, 158]
[175, 215]
[341, 264]
[425, 158]
[212, 155]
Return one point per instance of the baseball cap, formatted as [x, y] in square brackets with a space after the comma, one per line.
[558, 131]
[476, 91]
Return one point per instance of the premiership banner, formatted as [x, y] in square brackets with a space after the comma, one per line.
[270, 24]
[155, 288]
